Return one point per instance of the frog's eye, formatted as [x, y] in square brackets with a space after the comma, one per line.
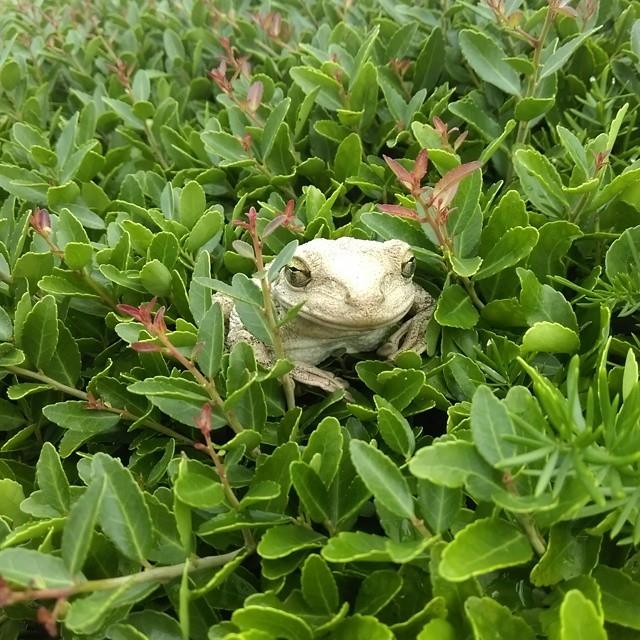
[297, 276]
[409, 267]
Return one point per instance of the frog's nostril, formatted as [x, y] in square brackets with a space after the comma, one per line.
[370, 297]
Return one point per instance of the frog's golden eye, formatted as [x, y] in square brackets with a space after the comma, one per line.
[297, 275]
[409, 267]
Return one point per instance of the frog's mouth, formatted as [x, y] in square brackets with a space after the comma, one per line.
[353, 323]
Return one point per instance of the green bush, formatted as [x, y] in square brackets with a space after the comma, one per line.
[155, 486]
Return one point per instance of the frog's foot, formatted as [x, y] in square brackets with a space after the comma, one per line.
[316, 377]
[410, 336]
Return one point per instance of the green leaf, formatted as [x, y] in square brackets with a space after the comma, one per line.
[30, 568]
[383, 478]
[355, 546]
[74, 415]
[491, 427]
[156, 278]
[319, 587]
[574, 148]
[210, 345]
[484, 546]
[455, 464]
[279, 542]
[486, 58]
[623, 255]
[560, 56]
[455, 309]
[394, 428]
[310, 79]
[197, 486]
[358, 627]
[491, 620]
[199, 295]
[311, 491]
[429, 63]
[620, 596]
[87, 615]
[438, 504]
[579, 619]
[78, 532]
[40, 332]
[348, 157]
[540, 181]
[52, 479]
[192, 203]
[272, 126]
[530, 108]
[325, 443]
[6, 326]
[514, 245]
[124, 515]
[251, 313]
[10, 74]
[225, 145]
[550, 337]
[281, 260]
[569, 554]
[275, 622]
[377, 590]
[165, 248]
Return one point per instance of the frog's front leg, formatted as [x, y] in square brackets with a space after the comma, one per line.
[410, 334]
[313, 376]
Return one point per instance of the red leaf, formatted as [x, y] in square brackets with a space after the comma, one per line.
[398, 210]
[405, 176]
[445, 190]
[145, 347]
[421, 165]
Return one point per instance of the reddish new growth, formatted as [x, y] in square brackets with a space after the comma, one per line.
[286, 218]
[203, 422]
[432, 203]
[400, 66]
[40, 220]
[442, 129]
[271, 24]
[240, 66]
[155, 326]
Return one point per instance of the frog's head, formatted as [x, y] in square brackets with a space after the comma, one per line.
[349, 283]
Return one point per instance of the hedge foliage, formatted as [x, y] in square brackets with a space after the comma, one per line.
[154, 486]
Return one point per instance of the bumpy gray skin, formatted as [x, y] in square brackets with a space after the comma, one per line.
[357, 301]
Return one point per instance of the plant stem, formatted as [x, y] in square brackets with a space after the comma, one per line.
[421, 528]
[532, 85]
[40, 377]
[157, 574]
[285, 380]
[208, 385]
[228, 489]
[77, 393]
[528, 525]
[471, 290]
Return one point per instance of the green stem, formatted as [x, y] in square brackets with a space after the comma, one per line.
[274, 329]
[471, 290]
[228, 489]
[41, 377]
[157, 574]
[421, 528]
[77, 393]
[208, 385]
[532, 85]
